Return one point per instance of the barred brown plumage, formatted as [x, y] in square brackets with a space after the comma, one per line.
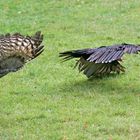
[16, 50]
[102, 60]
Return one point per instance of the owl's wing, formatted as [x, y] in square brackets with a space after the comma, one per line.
[11, 64]
[16, 50]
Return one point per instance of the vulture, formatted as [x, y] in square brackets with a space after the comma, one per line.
[17, 49]
[102, 60]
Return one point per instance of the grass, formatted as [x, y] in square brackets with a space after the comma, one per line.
[50, 100]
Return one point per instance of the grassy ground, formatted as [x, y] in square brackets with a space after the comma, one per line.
[48, 100]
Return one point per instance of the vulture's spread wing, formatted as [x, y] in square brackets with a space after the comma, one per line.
[16, 50]
[102, 60]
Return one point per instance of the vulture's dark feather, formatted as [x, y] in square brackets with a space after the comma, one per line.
[102, 60]
[16, 50]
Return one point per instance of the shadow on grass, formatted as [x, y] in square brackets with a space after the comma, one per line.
[111, 84]
[29, 118]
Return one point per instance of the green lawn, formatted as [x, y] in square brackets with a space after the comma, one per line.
[49, 100]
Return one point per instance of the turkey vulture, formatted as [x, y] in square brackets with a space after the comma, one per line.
[16, 50]
[101, 61]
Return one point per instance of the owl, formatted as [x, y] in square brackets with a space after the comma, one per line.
[16, 50]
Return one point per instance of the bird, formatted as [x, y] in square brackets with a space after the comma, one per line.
[100, 61]
[16, 50]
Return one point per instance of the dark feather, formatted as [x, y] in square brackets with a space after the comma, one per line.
[102, 60]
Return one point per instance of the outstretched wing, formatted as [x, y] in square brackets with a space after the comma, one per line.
[112, 53]
[102, 60]
[16, 50]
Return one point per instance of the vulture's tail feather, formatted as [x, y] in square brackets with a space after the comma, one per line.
[91, 69]
[97, 69]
